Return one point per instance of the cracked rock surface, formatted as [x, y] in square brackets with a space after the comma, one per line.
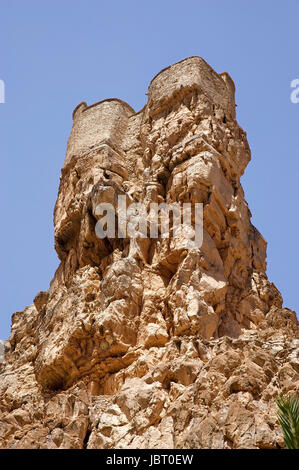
[148, 343]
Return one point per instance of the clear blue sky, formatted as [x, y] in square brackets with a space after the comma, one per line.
[57, 53]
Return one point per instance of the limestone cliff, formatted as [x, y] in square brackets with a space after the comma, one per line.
[146, 343]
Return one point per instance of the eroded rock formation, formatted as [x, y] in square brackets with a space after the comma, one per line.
[145, 342]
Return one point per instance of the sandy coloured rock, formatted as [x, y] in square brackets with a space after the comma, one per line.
[146, 343]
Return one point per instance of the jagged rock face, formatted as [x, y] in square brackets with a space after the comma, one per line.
[146, 343]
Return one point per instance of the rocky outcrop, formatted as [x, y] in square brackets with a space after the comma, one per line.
[148, 342]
